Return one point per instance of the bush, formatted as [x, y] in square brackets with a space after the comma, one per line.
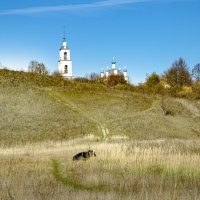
[56, 74]
[153, 84]
[174, 91]
[81, 80]
[153, 80]
[196, 89]
[15, 78]
[113, 80]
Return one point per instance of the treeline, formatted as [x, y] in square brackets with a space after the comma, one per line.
[177, 81]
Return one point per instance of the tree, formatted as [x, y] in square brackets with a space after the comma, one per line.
[154, 84]
[178, 74]
[56, 74]
[196, 72]
[93, 76]
[153, 80]
[36, 67]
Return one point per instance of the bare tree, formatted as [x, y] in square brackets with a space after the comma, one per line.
[196, 72]
[93, 76]
[56, 74]
[178, 74]
[36, 67]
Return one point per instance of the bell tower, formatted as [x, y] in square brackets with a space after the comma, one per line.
[65, 62]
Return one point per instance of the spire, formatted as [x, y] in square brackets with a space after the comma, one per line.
[64, 45]
[113, 60]
[64, 34]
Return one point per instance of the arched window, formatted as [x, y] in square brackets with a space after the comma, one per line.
[66, 69]
[65, 56]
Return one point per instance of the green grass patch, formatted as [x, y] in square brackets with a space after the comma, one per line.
[70, 182]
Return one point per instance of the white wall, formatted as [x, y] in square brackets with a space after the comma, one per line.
[63, 62]
[62, 54]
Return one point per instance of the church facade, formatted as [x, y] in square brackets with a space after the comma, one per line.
[114, 71]
[65, 62]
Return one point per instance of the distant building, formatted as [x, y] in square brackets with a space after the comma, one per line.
[65, 63]
[114, 71]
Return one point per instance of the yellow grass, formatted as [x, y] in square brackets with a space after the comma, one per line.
[157, 169]
[41, 129]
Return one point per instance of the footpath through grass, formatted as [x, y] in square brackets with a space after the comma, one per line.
[167, 169]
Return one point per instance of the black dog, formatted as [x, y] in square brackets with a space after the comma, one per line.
[84, 155]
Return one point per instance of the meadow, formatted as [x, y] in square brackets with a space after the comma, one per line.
[159, 169]
[147, 146]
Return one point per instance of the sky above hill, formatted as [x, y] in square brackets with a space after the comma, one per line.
[144, 35]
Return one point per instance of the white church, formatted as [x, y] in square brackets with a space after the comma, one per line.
[65, 62]
[114, 71]
[65, 65]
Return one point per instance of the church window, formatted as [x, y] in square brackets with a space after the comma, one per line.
[66, 69]
[65, 56]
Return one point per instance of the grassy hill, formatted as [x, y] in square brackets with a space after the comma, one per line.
[37, 108]
[147, 146]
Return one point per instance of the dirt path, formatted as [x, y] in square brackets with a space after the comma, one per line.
[104, 130]
[143, 112]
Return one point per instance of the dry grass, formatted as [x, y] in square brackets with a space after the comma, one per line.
[159, 169]
[135, 115]
[28, 115]
[42, 128]
[108, 105]
[31, 114]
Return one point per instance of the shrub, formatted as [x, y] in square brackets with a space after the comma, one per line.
[186, 91]
[196, 89]
[56, 74]
[153, 80]
[174, 91]
[81, 80]
[113, 80]
[153, 84]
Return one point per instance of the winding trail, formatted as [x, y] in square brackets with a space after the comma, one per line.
[103, 129]
[148, 110]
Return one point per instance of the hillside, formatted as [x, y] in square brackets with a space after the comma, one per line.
[147, 146]
[36, 108]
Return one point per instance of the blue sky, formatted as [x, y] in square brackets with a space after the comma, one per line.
[144, 35]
